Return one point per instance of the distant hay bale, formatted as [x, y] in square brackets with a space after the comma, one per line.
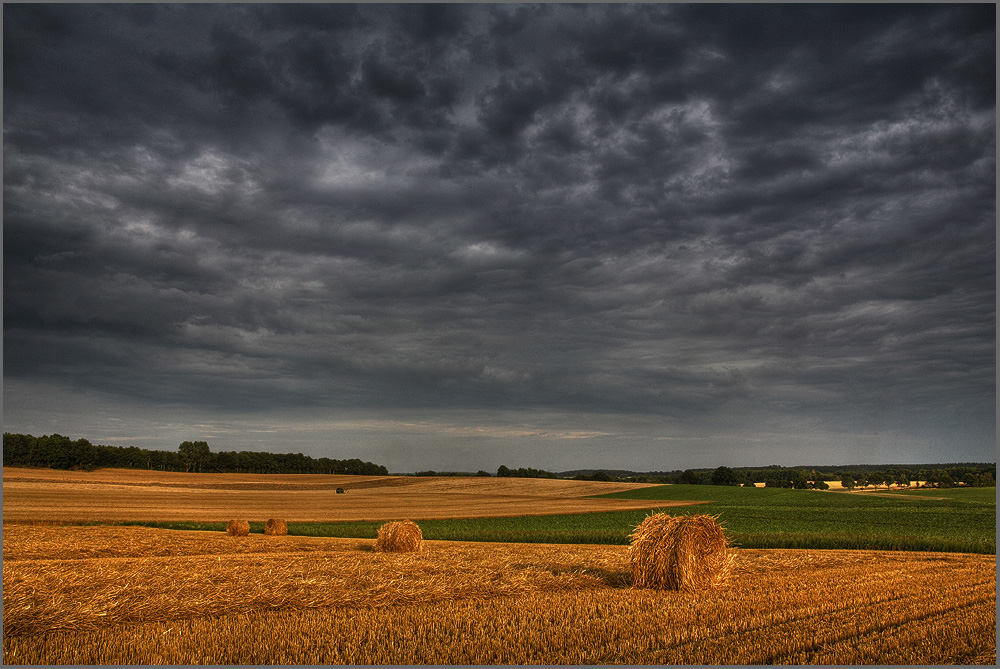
[238, 528]
[275, 527]
[399, 537]
[688, 553]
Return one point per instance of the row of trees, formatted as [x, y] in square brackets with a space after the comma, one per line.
[781, 477]
[59, 452]
[524, 473]
[596, 476]
[788, 477]
[798, 479]
[935, 478]
[778, 477]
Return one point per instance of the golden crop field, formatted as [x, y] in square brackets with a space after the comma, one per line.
[117, 595]
[122, 494]
[133, 595]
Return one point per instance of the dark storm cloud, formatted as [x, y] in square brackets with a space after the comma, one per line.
[683, 211]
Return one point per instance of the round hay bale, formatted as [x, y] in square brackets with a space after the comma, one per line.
[275, 527]
[687, 553]
[399, 537]
[238, 528]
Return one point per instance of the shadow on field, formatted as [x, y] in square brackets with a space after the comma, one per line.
[612, 578]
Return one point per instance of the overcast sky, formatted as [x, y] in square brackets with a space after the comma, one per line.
[451, 237]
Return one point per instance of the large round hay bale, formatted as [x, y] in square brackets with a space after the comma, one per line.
[238, 528]
[401, 536]
[275, 527]
[688, 553]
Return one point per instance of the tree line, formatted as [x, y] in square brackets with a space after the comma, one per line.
[503, 471]
[59, 452]
[946, 476]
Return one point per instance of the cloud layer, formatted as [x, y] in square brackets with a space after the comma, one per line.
[715, 218]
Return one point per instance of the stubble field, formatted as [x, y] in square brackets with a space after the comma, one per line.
[114, 595]
[37, 495]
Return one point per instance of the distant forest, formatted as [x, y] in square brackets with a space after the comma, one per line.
[59, 452]
[975, 474]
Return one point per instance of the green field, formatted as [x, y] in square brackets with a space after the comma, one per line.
[960, 519]
[956, 520]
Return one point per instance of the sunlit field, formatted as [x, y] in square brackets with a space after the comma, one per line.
[136, 495]
[113, 594]
[101, 595]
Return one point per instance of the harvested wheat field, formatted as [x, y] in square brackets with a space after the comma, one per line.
[130, 495]
[116, 595]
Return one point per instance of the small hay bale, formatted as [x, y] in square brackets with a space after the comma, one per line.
[399, 537]
[238, 528]
[275, 527]
[688, 553]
